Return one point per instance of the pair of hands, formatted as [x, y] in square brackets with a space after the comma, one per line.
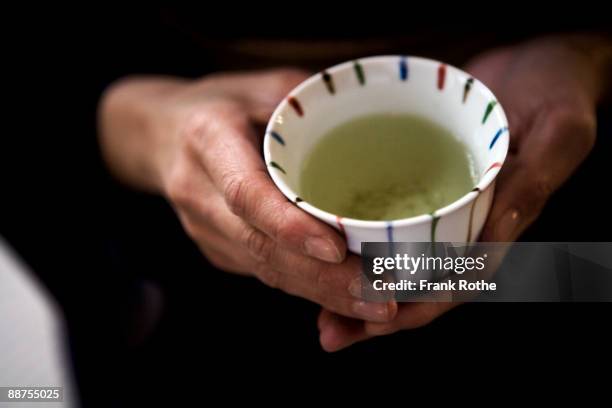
[198, 144]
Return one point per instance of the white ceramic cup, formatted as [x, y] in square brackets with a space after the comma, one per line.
[392, 84]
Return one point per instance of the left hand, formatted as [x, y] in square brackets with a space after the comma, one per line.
[549, 89]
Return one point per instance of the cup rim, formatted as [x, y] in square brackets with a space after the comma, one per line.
[483, 183]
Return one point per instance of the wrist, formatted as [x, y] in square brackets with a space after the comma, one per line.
[134, 129]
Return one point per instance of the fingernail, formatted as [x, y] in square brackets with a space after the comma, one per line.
[323, 249]
[506, 226]
[374, 312]
[355, 288]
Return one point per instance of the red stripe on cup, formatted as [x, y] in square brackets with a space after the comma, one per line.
[295, 104]
[494, 165]
[441, 76]
[340, 226]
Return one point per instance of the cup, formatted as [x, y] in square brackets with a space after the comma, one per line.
[431, 89]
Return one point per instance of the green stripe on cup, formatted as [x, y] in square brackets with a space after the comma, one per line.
[488, 111]
[329, 82]
[277, 166]
[434, 224]
[467, 88]
[359, 73]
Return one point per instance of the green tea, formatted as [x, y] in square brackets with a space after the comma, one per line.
[386, 167]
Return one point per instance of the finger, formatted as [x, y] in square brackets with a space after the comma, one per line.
[205, 217]
[212, 224]
[323, 283]
[320, 282]
[411, 316]
[233, 162]
[216, 247]
[220, 260]
[340, 304]
[341, 333]
[211, 221]
[337, 332]
[558, 144]
[323, 319]
[262, 91]
[254, 198]
[239, 247]
[548, 155]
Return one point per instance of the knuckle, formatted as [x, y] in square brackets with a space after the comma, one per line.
[243, 193]
[235, 193]
[182, 193]
[179, 187]
[258, 245]
[292, 76]
[287, 79]
[225, 112]
[194, 128]
[210, 120]
[288, 225]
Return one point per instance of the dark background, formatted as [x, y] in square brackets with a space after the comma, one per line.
[94, 242]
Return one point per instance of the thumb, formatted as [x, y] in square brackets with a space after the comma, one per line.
[545, 159]
[519, 199]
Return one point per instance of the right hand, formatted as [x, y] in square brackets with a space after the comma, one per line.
[200, 150]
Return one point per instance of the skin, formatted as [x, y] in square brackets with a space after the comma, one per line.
[197, 143]
[549, 89]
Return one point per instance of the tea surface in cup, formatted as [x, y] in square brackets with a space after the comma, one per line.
[386, 167]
